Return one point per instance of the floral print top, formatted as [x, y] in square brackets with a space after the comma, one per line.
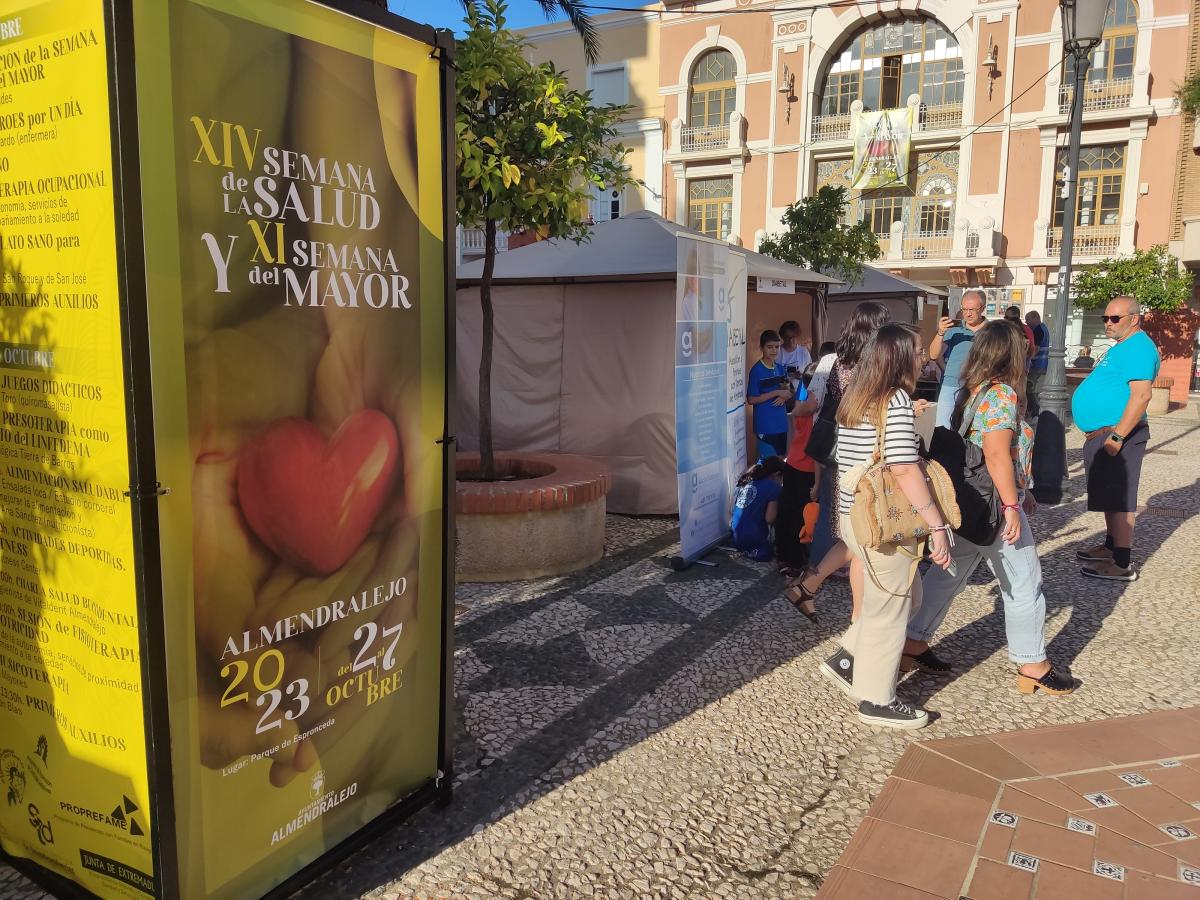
[1000, 410]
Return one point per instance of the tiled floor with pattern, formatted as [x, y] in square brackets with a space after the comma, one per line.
[630, 731]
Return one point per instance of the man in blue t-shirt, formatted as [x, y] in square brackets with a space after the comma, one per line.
[1039, 363]
[1110, 408]
[952, 344]
[768, 392]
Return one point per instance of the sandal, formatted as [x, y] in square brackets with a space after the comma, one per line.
[928, 662]
[802, 599]
[1053, 682]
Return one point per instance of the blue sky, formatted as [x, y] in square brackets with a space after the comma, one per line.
[449, 13]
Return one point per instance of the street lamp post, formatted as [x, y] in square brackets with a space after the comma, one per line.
[1083, 29]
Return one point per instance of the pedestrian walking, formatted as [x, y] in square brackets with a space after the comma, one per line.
[989, 405]
[769, 393]
[1110, 408]
[1039, 364]
[876, 415]
[951, 345]
[828, 553]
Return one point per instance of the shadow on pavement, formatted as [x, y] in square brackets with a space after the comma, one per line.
[571, 656]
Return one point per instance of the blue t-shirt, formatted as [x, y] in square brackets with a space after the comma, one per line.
[1041, 360]
[1100, 401]
[956, 344]
[751, 533]
[768, 418]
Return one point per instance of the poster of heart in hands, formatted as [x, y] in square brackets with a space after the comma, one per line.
[296, 214]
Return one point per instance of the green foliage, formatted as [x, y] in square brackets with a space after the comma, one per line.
[816, 238]
[529, 149]
[1189, 95]
[529, 152]
[575, 12]
[1152, 276]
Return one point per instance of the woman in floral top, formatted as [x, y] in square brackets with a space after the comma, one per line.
[993, 379]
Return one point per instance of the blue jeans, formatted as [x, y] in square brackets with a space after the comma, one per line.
[945, 402]
[1019, 572]
[823, 537]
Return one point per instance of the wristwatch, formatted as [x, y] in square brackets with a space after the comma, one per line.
[1113, 436]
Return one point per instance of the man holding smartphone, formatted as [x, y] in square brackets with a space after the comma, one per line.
[951, 345]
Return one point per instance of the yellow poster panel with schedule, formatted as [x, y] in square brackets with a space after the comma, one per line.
[73, 771]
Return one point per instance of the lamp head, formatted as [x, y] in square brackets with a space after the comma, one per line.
[1083, 23]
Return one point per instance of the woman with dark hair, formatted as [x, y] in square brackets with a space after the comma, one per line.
[876, 415]
[828, 553]
[991, 399]
[756, 506]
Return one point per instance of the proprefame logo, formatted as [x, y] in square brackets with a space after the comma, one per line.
[12, 776]
[121, 818]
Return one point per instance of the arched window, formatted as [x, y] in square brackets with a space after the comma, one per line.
[936, 210]
[712, 89]
[887, 62]
[1112, 60]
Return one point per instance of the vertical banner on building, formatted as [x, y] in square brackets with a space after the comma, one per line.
[73, 772]
[882, 145]
[293, 215]
[710, 387]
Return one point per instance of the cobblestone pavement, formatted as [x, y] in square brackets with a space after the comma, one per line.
[630, 731]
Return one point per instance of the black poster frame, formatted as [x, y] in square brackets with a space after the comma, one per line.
[144, 488]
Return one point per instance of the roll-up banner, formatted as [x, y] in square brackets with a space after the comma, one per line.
[223, 387]
[710, 388]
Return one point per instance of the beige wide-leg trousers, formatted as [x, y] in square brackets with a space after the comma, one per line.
[891, 596]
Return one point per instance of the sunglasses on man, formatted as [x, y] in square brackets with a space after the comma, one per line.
[1115, 319]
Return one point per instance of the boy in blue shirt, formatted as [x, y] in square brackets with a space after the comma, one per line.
[768, 391]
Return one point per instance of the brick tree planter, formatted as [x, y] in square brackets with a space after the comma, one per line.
[548, 524]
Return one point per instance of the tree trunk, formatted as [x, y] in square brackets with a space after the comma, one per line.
[487, 454]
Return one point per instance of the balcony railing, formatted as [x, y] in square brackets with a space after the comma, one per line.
[1114, 94]
[704, 137]
[836, 126]
[1089, 240]
[947, 115]
[474, 241]
[833, 127]
[928, 244]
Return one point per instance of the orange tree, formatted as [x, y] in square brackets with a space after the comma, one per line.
[530, 151]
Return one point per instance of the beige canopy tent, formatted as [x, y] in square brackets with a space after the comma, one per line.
[584, 349]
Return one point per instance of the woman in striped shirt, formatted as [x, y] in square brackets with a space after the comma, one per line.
[880, 396]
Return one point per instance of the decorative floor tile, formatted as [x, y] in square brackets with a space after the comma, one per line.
[1100, 800]
[1083, 826]
[556, 620]
[1007, 819]
[618, 647]
[1134, 779]
[1023, 861]
[1179, 832]
[1109, 870]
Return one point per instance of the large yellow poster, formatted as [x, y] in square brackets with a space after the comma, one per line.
[292, 192]
[72, 748]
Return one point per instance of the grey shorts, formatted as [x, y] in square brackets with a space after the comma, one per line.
[1112, 481]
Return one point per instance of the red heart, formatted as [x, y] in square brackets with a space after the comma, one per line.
[312, 500]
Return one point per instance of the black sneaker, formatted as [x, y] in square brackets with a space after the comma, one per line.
[894, 715]
[839, 671]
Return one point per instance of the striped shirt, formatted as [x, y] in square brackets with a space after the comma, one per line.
[857, 444]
